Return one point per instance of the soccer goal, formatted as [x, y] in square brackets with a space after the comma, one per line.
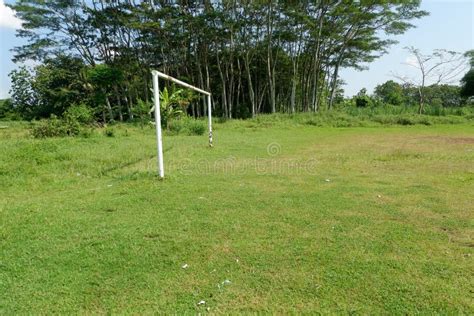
[156, 96]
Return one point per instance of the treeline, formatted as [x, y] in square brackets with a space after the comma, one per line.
[394, 93]
[254, 56]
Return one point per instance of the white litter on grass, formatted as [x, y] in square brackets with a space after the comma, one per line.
[327, 180]
[185, 266]
[202, 302]
[223, 283]
[237, 260]
[379, 196]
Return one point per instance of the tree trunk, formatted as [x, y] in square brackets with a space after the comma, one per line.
[422, 100]
[109, 107]
[250, 84]
[334, 83]
[119, 103]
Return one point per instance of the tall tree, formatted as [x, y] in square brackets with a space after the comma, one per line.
[441, 66]
[255, 56]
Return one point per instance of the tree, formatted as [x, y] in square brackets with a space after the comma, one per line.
[57, 85]
[467, 89]
[255, 56]
[22, 95]
[362, 100]
[441, 66]
[7, 110]
[358, 29]
[443, 95]
[467, 81]
[390, 92]
[105, 79]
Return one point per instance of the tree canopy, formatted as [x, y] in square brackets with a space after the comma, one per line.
[255, 56]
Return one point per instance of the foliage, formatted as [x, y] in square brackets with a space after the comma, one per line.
[57, 85]
[109, 131]
[56, 127]
[104, 80]
[173, 105]
[467, 82]
[142, 111]
[23, 98]
[362, 100]
[438, 95]
[81, 113]
[440, 67]
[255, 56]
[8, 112]
[390, 92]
[443, 95]
[187, 126]
[74, 122]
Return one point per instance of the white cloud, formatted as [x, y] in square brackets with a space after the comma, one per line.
[410, 60]
[7, 17]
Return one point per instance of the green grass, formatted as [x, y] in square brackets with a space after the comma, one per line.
[299, 218]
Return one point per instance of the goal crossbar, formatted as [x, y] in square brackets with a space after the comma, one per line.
[182, 83]
[156, 95]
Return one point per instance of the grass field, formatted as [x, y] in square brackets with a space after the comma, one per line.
[278, 218]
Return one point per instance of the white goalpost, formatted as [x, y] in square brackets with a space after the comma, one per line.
[156, 95]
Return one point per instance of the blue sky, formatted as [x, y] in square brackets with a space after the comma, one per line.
[449, 26]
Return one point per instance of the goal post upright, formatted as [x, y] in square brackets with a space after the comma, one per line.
[156, 95]
[159, 139]
[209, 116]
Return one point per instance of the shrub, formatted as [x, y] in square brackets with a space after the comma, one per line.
[142, 111]
[74, 122]
[8, 112]
[195, 127]
[313, 122]
[363, 101]
[109, 132]
[80, 113]
[403, 120]
[384, 119]
[86, 132]
[221, 119]
[175, 127]
[55, 127]
[187, 126]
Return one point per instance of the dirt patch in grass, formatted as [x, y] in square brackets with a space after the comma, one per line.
[452, 140]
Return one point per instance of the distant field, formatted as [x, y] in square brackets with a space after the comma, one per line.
[276, 218]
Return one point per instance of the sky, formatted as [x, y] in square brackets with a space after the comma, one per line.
[450, 25]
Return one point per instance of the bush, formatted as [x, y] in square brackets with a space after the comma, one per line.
[8, 112]
[195, 128]
[313, 122]
[175, 127]
[109, 132]
[142, 111]
[187, 126]
[55, 127]
[74, 122]
[403, 120]
[363, 101]
[80, 113]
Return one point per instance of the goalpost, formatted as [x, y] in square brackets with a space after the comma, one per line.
[156, 95]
